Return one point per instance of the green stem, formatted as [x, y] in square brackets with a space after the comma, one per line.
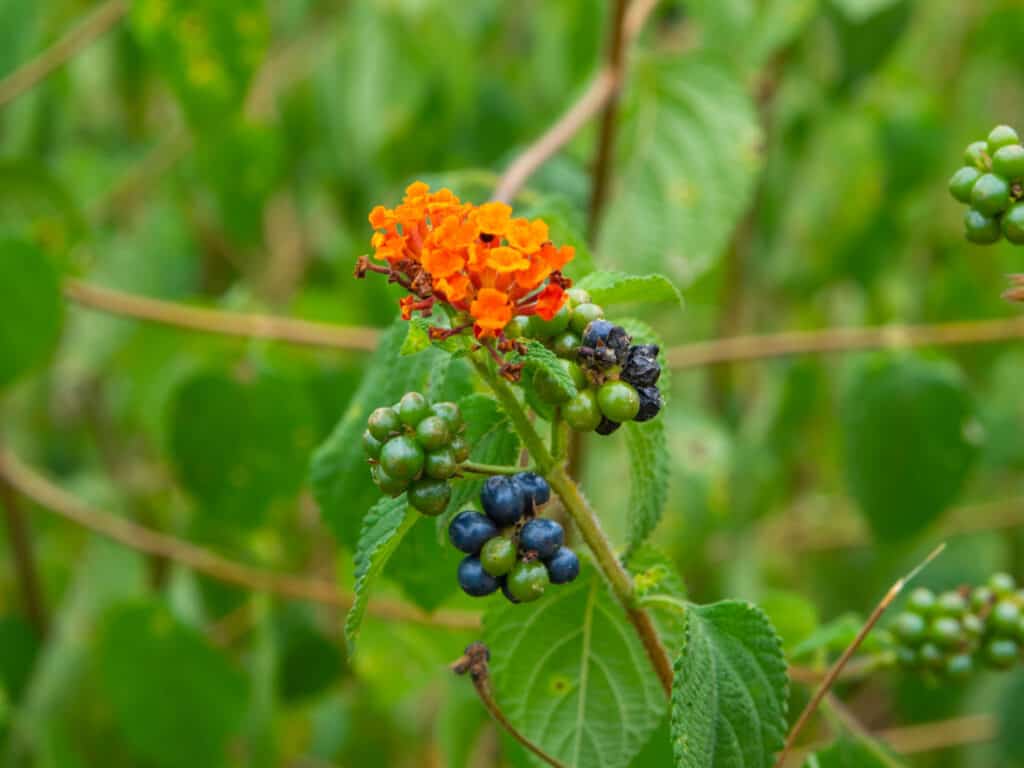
[559, 435]
[586, 522]
[491, 469]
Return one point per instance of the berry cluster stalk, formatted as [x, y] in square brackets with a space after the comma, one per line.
[585, 518]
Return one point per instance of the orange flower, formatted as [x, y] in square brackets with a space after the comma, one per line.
[442, 263]
[381, 217]
[533, 275]
[527, 236]
[550, 300]
[491, 310]
[505, 259]
[493, 219]
[453, 288]
[557, 258]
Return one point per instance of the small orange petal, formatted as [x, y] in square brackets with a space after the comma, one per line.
[505, 259]
[492, 218]
[550, 300]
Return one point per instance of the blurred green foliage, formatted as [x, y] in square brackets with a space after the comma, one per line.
[784, 160]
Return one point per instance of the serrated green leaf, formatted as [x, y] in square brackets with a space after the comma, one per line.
[609, 288]
[906, 438]
[730, 693]
[383, 529]
[571, 674]
[648, 477]
[691, 158]
[31, 309]
[339, 475]
[417, 338]
[540, 358]
[423, 565]
[155, 671]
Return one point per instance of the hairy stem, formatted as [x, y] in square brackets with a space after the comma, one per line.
[490, 469]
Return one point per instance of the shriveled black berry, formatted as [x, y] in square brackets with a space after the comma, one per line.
[650, 403]
[642, 368]
[607, 426]
[602, 333]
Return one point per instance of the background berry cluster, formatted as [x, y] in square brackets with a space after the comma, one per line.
[992, 184]
[508, 547]
[416, 447]
[953, 633]
[616, 380]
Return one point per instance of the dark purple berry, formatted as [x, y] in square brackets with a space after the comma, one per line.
[469, 530]
[597, 332]
[563, 566]
[650, 403]
[535, 488]
[542, 536]
[474, 580]
[503, 499]
[606, 427]
[642, 368]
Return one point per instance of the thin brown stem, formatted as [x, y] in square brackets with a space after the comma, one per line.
[836, 340]
[34, 486]
[93, 26]
[19, 538]
[250, 326]
[837, 668]
[474, 661]
[600, 173]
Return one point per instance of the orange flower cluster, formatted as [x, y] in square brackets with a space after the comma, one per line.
[477, 259]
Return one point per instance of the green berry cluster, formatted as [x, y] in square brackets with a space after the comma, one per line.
[953, 633]
[616, 380]
[992, 184]
[416, 447]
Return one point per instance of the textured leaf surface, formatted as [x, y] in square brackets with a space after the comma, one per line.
[648, 477]
[906, 433]
[608, 288]
[691, 159]
[570, 673]
[540, 358]
[730, 693]
[31, 309]
[383, 529]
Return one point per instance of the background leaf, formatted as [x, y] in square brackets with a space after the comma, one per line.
[648, 477]
[609, 288]
[31, 309]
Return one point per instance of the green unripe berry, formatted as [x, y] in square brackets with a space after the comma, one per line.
[959, 666]
[981, 598]
[583, 315]
[430, 497]
[991, 194]
[1005, 617]
[1002, 584]
[527, 581]
[976, 154]
[1001, 653]
[460, 448]
[577, 296]
[952, 604]
[973, 625]
[518, 327]
[962, 182]
[498, 556]
[545, 329]
[921, 601]
[618, 401]
[433, 433]
[1001, 136]
[450, 413]
[1013, 224]
[930, 655]
[1008, 161]
[946, 632]
[547, 386]
[383, 423]
[566, 344]
[389, 486]
[412, 408]
[371, 445]
[909, 626]
[906, 656]
[582, 412]
[402, 458]
[440, 464]
[981, 229]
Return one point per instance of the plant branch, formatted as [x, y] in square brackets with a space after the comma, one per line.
[490, 469]
[245, 325]
[76, 39]
[20, 540]
[837, 668]
[474, 661]
[597, 95]
[34, 486]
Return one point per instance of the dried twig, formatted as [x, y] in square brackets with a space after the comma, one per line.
[20, 540]
[474, 661]
[34, 486]
[837, 668]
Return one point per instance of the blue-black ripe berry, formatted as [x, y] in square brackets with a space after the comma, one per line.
[503, 500]
[542, 536]
[563, 566]
[650, 403]
[474, 580]
[469, 530]
[603, 334]
[607, 426]
[535, 488]
[641, 368]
